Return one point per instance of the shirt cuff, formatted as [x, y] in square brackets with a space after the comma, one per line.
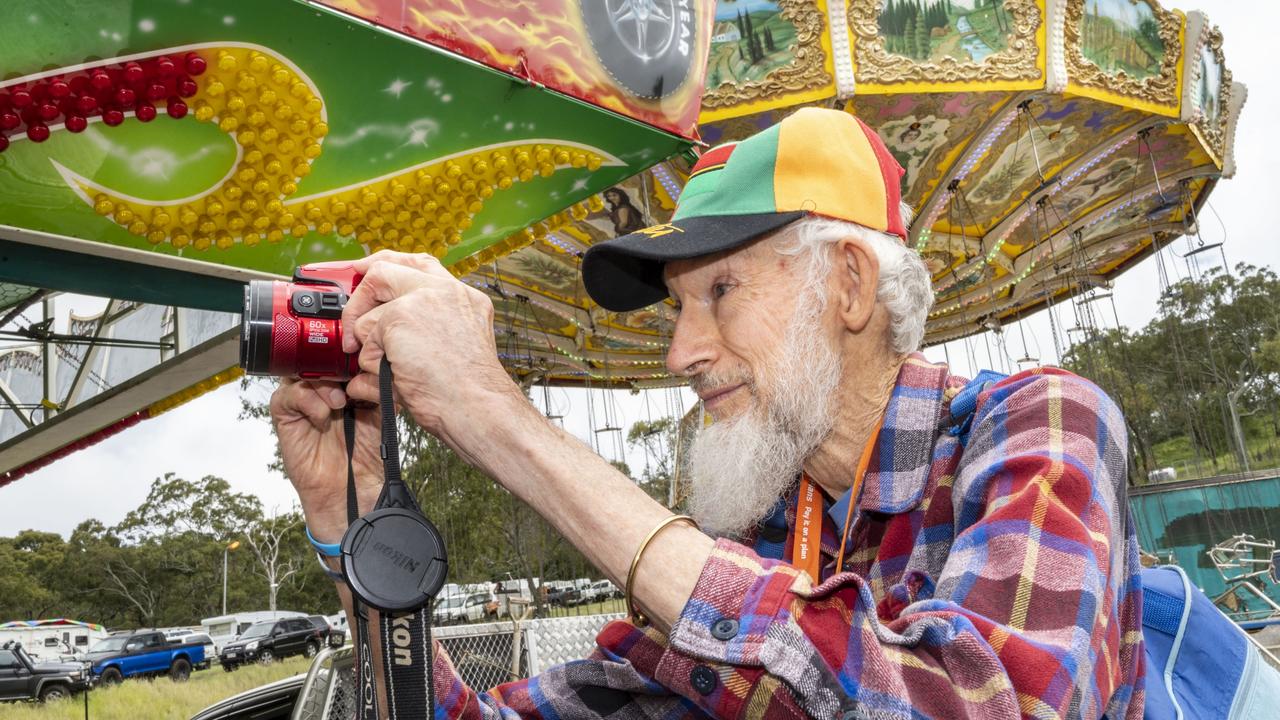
[714, 649]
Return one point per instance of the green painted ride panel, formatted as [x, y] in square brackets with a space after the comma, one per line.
[390, 106]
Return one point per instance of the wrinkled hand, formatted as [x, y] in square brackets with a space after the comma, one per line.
[308, 420]
[437, 333]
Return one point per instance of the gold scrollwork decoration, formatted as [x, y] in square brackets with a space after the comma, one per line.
[1214, 130]
[806, 71]
[875, 64]
[1161, 89]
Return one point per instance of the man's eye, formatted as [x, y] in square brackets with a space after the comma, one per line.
[719, 289]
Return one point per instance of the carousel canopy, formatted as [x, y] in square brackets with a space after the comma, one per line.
[160, 155]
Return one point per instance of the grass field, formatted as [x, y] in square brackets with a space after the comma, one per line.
[162, 698]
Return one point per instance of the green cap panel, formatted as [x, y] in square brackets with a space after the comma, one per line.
[744, 186]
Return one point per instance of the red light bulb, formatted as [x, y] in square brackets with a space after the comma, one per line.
[86, 104]
[156, 91]
[146, 112]
[176, 108]
[100, 79]
[47, 111]
[165, 66]
[187, 87]
[21, 98]
[125, 97]
[59, 89]
[194, 64]
[133, 72]
[38, 132]
[9, 120]
[112, 117]
[76, 123]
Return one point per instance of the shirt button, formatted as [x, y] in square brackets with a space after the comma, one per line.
[724, 629]
[850, 715]
[703, 679]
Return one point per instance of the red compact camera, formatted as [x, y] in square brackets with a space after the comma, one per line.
[294, 329]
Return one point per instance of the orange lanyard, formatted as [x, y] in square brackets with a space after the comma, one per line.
[806, 541]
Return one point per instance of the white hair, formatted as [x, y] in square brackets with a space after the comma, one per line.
[905, 288]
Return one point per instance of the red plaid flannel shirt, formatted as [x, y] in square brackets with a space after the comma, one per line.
[996, 580]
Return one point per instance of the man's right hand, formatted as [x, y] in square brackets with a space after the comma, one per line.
[308, 422]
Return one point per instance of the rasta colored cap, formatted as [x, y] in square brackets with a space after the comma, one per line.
[824, 162]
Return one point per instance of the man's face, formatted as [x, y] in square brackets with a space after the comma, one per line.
[759, 348]
[734, 309]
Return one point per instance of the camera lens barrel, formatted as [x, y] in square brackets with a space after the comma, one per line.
[255, 332]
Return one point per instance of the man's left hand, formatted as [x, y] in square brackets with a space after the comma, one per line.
[437, 332]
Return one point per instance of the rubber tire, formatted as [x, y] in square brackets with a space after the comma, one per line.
[180, 670]
[310, 650]
[54, 691]
[266, 657]
[111, 676]
[228, 668]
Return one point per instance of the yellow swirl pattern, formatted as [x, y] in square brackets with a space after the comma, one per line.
[278, 119]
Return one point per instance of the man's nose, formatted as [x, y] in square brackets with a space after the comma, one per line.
[693, 343]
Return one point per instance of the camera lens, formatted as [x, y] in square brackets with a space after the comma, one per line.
[255, 332]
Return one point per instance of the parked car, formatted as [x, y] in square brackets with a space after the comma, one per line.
[210, 650]
[333, 636]
[226, 628]
[601, 590]
[461, 609]
[266, 641]
[562, 593]
[22, 678]
[145, 653]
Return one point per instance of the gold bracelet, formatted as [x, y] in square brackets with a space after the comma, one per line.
[636, 616]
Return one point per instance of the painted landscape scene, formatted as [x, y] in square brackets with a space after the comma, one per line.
[1122, 35]
[749, 40]
[929, 30]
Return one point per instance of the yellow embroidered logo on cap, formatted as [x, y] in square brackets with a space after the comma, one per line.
[656, 231]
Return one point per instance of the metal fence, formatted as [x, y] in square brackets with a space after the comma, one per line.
[485, 655]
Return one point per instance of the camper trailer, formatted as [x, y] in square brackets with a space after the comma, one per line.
[53, 639]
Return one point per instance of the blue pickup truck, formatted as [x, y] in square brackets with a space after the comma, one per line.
[143, 654]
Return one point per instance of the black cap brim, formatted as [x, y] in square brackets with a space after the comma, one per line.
[626, 273]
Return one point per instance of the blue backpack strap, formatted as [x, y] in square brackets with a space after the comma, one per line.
[965, 403]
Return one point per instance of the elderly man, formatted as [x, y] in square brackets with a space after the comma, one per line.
[867, 549]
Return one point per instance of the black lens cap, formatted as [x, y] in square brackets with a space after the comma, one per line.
[394, 559]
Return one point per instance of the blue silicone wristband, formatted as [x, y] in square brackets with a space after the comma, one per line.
[326, 549]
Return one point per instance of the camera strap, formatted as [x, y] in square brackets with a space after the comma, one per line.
[393, 560]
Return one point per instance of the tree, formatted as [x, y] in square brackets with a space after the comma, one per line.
[1204, 372]
[266, 539]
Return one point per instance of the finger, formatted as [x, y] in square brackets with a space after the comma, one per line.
[313, 401]
[367, 324]
[383, 283]
[364, 387]
[423, 262]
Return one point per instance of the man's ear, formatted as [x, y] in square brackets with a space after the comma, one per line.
[857, 275]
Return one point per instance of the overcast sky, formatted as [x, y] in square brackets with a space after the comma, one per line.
[204, 437]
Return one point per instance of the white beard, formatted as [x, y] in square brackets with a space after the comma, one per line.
[738, 468]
